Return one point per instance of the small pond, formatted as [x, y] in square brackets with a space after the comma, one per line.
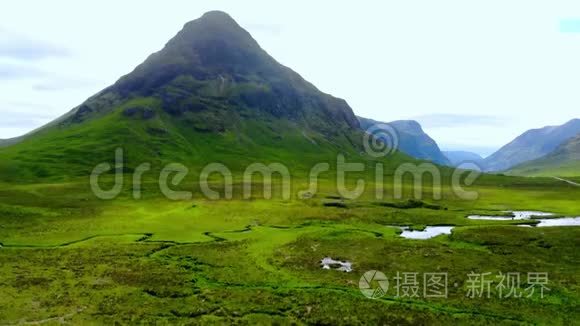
[428, 233]
[341, 266]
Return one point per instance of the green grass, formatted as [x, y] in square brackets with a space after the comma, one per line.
[67, 256]
[236, 137]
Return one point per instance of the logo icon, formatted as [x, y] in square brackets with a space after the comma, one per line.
[373, 284]
[381, 140]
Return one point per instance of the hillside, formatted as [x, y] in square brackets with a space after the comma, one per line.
[531, 145]
[212, 94]
[564, 161]
[412, 140]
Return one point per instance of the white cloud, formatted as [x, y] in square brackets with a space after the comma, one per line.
[17, 71]
[62, 84]
[20, 47]
[445, 120]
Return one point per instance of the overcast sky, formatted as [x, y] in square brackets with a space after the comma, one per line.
[475, 73]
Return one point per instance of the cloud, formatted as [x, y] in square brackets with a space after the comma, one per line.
[47, 82]
[15, 71]
[19, 47]
[58, 84]
[446, 120]
[264, 28]
[20, 117]
[570, 25]
[29, 120]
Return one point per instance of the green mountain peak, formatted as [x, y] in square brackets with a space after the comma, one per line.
[211, 94]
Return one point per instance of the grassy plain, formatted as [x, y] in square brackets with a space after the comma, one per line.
[69, 257]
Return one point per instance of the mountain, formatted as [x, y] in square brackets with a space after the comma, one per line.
[412, 140]
[212, 94]
[458, 157]
[531, 145]
[564, 161]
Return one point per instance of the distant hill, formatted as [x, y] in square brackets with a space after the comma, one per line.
[8, 142]
[458, 157]
[412, 140]
[531, 145]
[212, 94]
[564, 161]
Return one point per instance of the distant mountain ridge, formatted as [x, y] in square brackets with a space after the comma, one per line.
[458, 157]
[531, 145]
[564, 161]
[412, 140]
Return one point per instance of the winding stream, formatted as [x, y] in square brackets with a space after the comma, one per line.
[516, 215]
[564, 221]
[527, 215]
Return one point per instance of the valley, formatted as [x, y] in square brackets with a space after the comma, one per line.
[214, 185]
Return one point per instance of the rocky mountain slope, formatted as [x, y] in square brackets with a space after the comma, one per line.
[212, 94]
[412, 140]
[531, 145]
[564, 161]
